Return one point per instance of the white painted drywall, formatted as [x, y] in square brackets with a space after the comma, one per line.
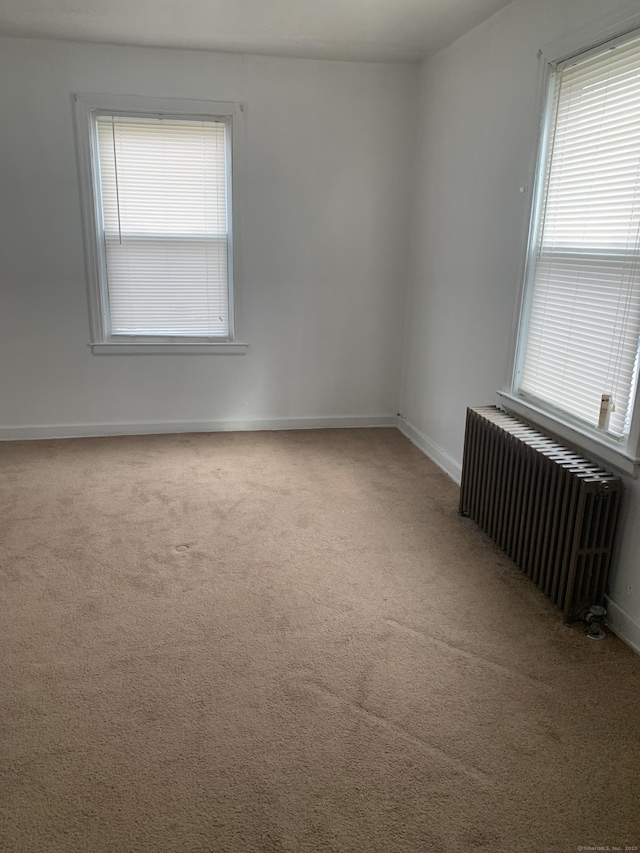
[323, 248]
[476, 146]
[401, 30]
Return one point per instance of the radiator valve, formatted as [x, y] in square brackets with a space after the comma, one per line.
[594, 620]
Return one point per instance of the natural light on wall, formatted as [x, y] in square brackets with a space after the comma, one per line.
[164, 193]
[581, 320]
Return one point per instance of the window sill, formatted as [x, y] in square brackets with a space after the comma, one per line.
[136, 348]
[604, 449]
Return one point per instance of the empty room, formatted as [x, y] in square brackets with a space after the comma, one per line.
[319, 426]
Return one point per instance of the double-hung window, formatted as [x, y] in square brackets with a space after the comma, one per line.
[157, 182]
[579, 338]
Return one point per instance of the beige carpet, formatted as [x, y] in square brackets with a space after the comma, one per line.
[289, 642]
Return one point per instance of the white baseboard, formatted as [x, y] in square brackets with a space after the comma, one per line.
[20, 433]
[623, 624]
[435, 453]
[619, 621]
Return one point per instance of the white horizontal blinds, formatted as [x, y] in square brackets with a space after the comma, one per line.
[164, 201]
[584, 320]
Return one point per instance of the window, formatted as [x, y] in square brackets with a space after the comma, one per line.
[580, 325]
[158, 211]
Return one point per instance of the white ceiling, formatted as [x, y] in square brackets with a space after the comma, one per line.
[374, 30]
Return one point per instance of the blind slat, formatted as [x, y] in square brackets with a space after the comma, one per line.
[164, 206]
[583, 322]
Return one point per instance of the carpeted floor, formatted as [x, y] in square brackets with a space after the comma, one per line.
[289, 642]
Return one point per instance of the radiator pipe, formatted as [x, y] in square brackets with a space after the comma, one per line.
[595, 619]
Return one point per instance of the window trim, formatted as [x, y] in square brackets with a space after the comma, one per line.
[623, 453]
[86, 107]
[603, 447]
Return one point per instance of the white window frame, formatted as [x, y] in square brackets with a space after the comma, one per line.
[86, 108]
[623, 453]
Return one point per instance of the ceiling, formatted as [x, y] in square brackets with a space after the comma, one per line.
[365, 30]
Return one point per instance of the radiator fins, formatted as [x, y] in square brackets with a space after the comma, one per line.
[550, 509]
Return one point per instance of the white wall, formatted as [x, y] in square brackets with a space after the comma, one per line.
[323, 251]
[476, 148]
[324, 248]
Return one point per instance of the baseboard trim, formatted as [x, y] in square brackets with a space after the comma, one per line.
[623, 625]
[430, 449]
[21, 433]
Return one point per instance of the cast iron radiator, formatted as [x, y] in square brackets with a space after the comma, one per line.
[550, 509]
